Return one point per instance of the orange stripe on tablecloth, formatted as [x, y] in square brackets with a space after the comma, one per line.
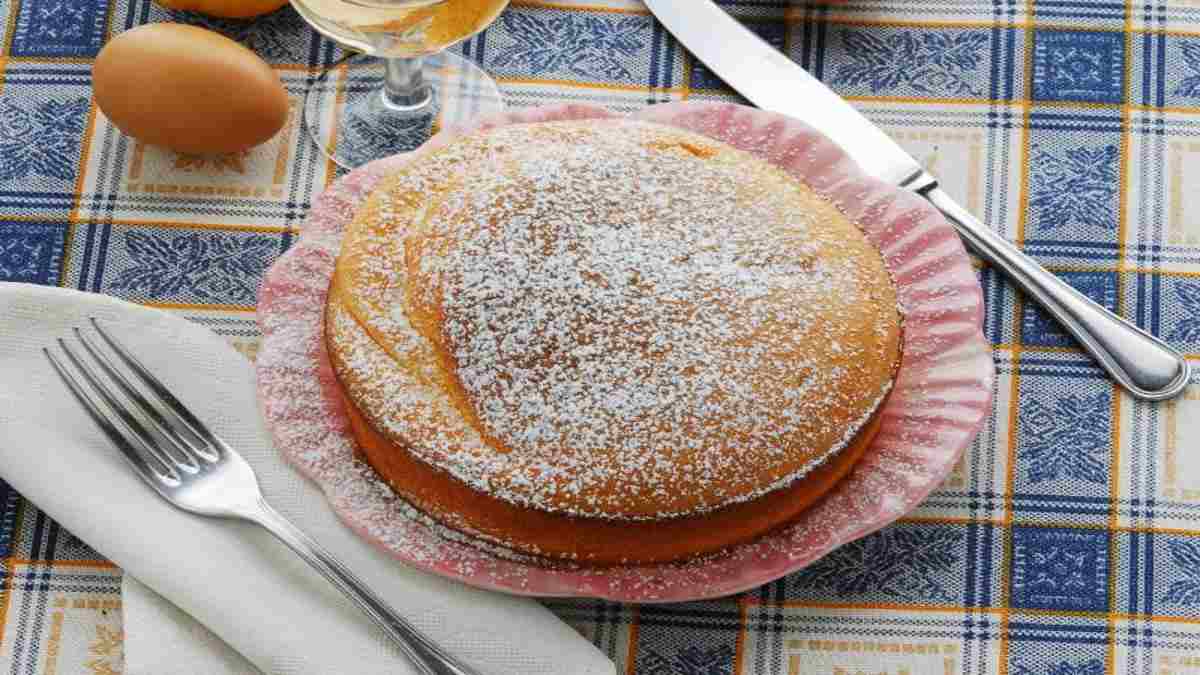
[339, 101]
[231, 227]
[11, 27]
[53, 60]
[30, 218]
[1110, 658]
[1015, 102]
[739, 648]
[196, 306]
[1158, 530]
[1114, 268]
[1123, 176]
[1166, 108]
[689, 66]
[1006, 346]
[1002, 612]
[1160, 619]
[136, 159]
[1075, 28]
[85, 149]
[53, 642]
[962, 520]
[1168, 32]
[852, 20]
[633, 88]
[109, 11]
[286, 144]
[1039, 349]
[296, 67]
[1165, 273]
[1015, 388]
[1074, 105]
[863, 98]
[888, 606]
[795, 16]
[951, 520]
[1114, 495]
[539, 4]
[631, 648]
[6, 597]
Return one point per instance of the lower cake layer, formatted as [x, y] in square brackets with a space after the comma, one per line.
[588, 540]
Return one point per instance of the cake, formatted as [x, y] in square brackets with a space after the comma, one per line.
[608, 341]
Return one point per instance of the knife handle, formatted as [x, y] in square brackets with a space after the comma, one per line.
[1146, 366]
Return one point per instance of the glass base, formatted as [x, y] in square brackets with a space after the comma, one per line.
[349, 119]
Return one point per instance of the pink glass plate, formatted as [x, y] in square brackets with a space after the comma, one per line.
[942, 394]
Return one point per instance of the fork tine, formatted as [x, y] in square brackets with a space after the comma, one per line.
[114, 435]
[188, 455]
[128, 420]
[160, 390]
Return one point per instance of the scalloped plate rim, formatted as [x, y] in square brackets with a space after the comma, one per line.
[753, 577]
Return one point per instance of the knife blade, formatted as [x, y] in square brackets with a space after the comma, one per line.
[772, 81]
[1147, 367]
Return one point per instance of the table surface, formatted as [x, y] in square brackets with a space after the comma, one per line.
[1067, 542]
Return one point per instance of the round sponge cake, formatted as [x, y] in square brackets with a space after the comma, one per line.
[609, 340]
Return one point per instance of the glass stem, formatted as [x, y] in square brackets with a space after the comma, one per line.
[404, 85]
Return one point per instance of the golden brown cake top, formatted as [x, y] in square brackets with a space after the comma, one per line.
[611, 318]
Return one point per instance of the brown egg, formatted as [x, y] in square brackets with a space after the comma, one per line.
[188, 89]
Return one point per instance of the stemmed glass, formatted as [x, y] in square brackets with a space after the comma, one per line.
[404, 85]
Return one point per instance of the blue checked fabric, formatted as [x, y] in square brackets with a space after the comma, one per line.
[1067, 542]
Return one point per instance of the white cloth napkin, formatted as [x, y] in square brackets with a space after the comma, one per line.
[233, 578]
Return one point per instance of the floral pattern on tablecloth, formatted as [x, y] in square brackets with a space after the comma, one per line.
[1067, 542]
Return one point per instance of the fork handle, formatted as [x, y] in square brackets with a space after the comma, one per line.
[427, 656]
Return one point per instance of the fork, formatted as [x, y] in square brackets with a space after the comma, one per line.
[193, 469]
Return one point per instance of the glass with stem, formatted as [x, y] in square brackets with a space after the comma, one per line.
[404, 85]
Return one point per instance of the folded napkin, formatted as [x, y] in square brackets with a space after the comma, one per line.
[234, 578]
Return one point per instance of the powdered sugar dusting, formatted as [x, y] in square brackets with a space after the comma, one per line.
[647, 323]
[940, 397]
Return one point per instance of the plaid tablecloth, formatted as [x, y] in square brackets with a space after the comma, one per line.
[1068, 540]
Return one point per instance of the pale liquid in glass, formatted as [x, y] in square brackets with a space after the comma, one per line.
[400, 28]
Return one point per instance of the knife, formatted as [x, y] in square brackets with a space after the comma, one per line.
[1141, 363]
